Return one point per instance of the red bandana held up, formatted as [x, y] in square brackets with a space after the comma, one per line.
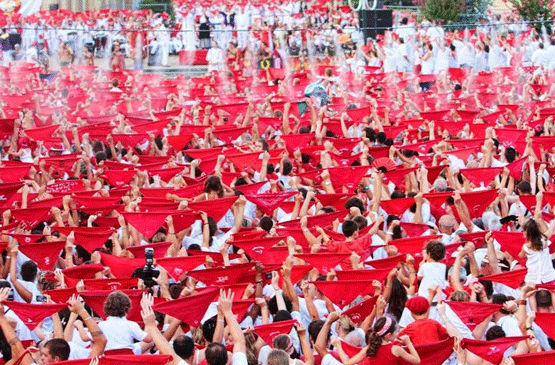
[512, 279]
[216, 208]
[190, 309]
[343, 292]
[271, 330]
[472, 313]
[324, 262]
[44, 254]
[32, 314]
[147, 223]
[535, 358]
[177, 266]
[268, 202]
[360, 311]
[491, 351]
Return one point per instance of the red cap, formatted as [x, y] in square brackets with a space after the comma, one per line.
[417, 304]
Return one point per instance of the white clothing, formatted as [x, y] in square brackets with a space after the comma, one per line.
[432, 274]
[540, 267]
[120, 332]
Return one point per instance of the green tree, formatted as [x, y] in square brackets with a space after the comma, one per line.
[442, 11]
[538, 11]
[158, 6]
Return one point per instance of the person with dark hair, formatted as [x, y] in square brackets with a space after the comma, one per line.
[183, 348]
[380, 346]
[425, 330]
[537, 255]
[432, 271]
[25, 289]
[121, 332]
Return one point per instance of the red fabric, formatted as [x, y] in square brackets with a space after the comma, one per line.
[26, 238]
[88, 201]
[367, 275]
[360, 311]
[240, 308]
[396, 206]
[44, 254]
[434, 353]
[349, 349]
[190, 309]
[483, 176]
[413, 245]
[296, 141]
[398, 176]
[177, 266]
[216, 208]
[256, 248]
[30, 217]
[95, 300]
[512, 279]
[111, 284]
[121, 267]
[424, 331]
[147, 223]
[271, 330]
[348, 176]
[336, 200]
[60, 295]
[7, 190]
[268, 202]
[545, 321]
[250, 188]
[343, 292]
[226, 275]
[33, 314]
[357, 114]
[13, 174]
[414, 229]
[90, 240]
[516, 168]
[159, 248]
[491, 351]
[83, 271]
[510, 241]
[438, 199]
[535, 358]
[179, 142]
[135, 359]
[478, 201]
[183, 220]
[244, 161]
[119, 177]
[324, 262]
[42, 133]
[387, 263]
[383, 356]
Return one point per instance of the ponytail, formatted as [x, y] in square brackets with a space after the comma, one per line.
[382, 327]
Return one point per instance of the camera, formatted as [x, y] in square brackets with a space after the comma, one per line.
[11, 296]
[268, 276]
[40, 298]
[148, 271]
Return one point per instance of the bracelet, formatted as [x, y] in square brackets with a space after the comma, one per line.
[8, 257]
[521, 302]
[172, 234]
[258, 282]
[529, 329]
[86, 319]
[327, 183]
[221, 320]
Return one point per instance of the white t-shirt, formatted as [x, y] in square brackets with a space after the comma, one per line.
[432, 274]
[239, 358]
[121, 332]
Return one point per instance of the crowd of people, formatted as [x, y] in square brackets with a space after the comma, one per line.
[346, 203]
